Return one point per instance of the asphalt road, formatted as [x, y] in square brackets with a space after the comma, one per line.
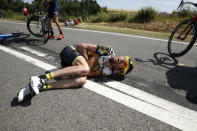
[80, 109]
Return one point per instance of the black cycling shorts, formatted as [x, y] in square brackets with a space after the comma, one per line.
[69, 55]
[52, 14]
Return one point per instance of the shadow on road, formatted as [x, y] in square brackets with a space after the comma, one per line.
[184, 78]
[25, 103]
[107, 78]
[161, 59]
[179, 77]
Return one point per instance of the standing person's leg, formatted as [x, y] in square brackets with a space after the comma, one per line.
[25, 17]
[55, 18]
[51, 28]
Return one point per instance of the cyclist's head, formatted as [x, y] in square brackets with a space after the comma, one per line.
[122, 64]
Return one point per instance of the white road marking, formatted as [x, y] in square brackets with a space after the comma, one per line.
[111, 33]
[154, 100]
[33, 51]
[29, 59]
[160, 109]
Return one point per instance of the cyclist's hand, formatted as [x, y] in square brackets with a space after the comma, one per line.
[110, 51]
[102, 50]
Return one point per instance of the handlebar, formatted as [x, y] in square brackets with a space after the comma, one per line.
[184, 3]
[181, 4]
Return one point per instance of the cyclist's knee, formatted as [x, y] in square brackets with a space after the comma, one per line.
[84, 70]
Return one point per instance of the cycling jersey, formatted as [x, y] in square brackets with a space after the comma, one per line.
[25, 10]
[106, 70]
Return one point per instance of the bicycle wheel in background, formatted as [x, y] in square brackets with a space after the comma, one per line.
[46, 29]
[34, 26]
[179, 46]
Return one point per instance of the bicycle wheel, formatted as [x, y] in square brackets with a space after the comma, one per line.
[46, 29]
[180, 41]
[34, 26]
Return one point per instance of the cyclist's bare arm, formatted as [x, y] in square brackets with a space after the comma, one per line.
[91, 62]
[84, 48]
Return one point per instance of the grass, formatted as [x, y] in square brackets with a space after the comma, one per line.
[125, 30]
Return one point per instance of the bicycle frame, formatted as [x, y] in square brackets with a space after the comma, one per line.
[194, 19]
[40, 23]
[186, 28]
[41, 17]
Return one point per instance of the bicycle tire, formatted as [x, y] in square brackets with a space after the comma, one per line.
[35, 21]
[189, 46]
[46, 29]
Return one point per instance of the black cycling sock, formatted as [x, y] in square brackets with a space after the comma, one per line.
[52, 33]
[43, 77]
[61, 32]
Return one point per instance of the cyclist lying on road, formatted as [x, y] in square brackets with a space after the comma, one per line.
[71, 22]
[80, 61]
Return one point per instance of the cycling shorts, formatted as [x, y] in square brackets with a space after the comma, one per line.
[69, 56]
[52, 14]
[53, 8]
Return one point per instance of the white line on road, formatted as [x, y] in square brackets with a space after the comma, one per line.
[33, 51]
[165, 111]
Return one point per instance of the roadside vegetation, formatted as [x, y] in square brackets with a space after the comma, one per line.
[94, 16]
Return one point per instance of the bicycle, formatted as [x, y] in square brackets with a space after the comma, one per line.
[14, 36]
[184, 35]
[38, 24]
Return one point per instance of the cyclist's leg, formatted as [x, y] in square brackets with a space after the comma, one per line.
[50, 16]
[72, 82]
[55, 19]
[78, 67]
[60, 29]
[79, 70]
[25, 17]
[51, 25]
[57, 23]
